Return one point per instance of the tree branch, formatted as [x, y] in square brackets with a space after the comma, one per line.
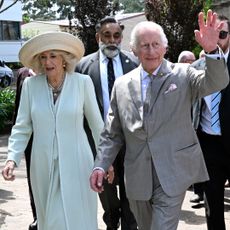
[1, 3]
[6, 8]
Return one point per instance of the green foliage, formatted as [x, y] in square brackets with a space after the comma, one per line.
[132, 6]
[179, 20]
[29, 33]
[207, 5]
[7, 102]
[39, 9]
[88, 13]
[26, 18]
[14, 65]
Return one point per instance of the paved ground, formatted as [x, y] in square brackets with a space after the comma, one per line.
[15, 213]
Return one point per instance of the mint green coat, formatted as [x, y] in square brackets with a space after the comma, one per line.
[61, 160]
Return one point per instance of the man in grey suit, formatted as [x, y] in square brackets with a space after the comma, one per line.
[150, 111]
[109, 37]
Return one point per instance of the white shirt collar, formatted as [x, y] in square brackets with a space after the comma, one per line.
[226, 55]
[144, 74]
[103, 58]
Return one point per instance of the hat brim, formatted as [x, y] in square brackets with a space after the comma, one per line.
[50, 41]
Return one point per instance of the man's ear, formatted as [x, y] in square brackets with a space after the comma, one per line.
[97, 37]
[134, 51]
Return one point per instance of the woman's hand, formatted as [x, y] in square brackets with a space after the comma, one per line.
[8, 171]
[110, 175]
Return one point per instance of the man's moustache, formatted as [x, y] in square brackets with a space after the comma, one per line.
[111, 47]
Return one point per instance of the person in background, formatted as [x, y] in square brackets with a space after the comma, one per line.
[198, 189]
[186, 57]
[211, 120]
[150, 112]
[104, 66]
[52, 107]
[22, 74]
[201, 54]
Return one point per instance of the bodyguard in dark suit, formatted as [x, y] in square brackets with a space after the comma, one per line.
[104, 66]
[215, 142]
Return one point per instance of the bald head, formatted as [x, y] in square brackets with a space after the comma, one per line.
[186, 57]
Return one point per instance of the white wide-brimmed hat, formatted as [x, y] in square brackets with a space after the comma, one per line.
[50, 41]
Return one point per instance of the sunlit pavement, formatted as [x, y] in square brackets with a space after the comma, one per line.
[15, 212]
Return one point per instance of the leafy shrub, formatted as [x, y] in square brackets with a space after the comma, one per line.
[7, 102]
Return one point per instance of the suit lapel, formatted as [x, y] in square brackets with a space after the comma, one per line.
[95, 74]
[228, 62]
[127, 66]
[135, 90]
[135, 85]
[126, 63]
[158, 82]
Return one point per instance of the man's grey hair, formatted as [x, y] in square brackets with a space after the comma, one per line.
[184, 55]
[147, 24]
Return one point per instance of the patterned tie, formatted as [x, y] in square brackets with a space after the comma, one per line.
[111, 76]
[148, 96]
[215, 122]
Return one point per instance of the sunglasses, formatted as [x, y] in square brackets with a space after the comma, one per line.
[223, 34]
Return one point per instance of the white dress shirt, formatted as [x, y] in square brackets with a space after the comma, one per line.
[205, 121]
[118, 71]
[145, 80]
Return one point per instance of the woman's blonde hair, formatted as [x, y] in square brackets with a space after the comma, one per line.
[69, 59]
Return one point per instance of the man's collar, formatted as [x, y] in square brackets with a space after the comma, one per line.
[144, 74]
[226, 55]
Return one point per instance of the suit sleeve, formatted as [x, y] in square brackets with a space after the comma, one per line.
[22, 129]
[112, 137]
[214, 79]
[91, 110]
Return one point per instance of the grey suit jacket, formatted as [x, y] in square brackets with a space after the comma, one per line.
[165, 137]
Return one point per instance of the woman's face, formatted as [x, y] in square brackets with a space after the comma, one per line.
[52, 63]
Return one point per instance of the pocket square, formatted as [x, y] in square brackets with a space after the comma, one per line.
[171, 88]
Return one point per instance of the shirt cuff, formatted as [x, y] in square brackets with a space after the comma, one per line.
[98, 168]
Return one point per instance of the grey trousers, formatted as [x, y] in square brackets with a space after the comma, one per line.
[161, 212]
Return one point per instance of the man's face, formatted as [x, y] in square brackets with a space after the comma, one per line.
[224, 38]
[190, 58]
[109, 39]
[150, 49]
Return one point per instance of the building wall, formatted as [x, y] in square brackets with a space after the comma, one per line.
[129, 24]
[10, 36]
[222, 7]
[34, 28]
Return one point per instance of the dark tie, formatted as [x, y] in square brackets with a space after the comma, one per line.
[215, 122]
[111, 76]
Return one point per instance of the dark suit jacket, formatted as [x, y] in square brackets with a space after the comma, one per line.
[224, 107]
[90, 65]
[224, 111]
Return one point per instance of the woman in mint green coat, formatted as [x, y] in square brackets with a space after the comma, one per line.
[52, 107]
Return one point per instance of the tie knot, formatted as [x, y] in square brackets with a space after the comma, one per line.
[150, 76]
